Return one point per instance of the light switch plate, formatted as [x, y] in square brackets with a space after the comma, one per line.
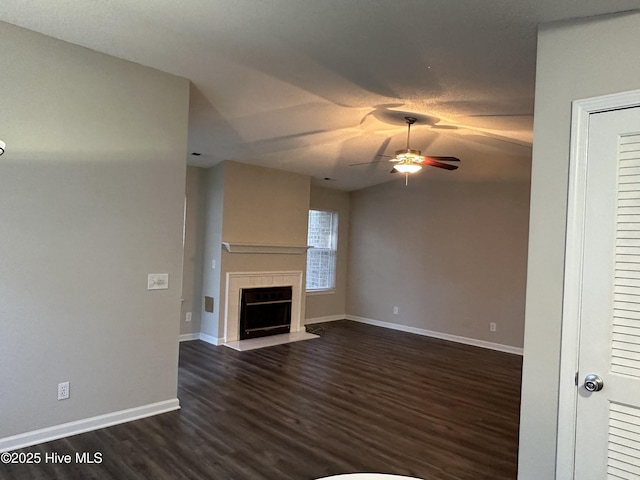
[158, 281]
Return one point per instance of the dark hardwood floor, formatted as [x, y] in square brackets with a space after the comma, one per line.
[359, 399]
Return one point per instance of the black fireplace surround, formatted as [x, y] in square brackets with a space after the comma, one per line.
[265, 311]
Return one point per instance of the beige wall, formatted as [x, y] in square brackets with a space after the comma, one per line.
[195, 192]
[451, 255]
[91, 195]
[332, 305]
[575, 60]
[265, 206]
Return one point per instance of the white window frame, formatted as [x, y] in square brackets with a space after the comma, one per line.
[333, 248]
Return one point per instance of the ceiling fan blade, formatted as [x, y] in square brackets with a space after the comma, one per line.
[504, 115]
[366, 163]
[442, 159]
[382, 148]
[445, 127]
[393, 170]
[433, 163]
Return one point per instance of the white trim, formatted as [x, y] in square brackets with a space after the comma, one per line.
[210, 339]
[86, 425]
[325, 291]
[574, 251]
[328, 318]
[187, 337]
[442, 336]
[233, 247]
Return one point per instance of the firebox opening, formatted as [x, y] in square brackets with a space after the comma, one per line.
[265, 311]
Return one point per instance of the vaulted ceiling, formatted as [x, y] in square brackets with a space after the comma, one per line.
[312, 86]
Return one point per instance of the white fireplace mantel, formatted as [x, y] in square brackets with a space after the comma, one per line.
[236, 281]
[234, 247]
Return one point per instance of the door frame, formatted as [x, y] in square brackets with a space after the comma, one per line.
[574, 251]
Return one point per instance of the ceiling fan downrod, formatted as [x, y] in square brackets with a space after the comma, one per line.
[410, 121]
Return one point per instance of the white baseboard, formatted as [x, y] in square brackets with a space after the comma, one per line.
[210, 339]
[329, 318]
[442, 336]
[378, 323]
[187, 337]
[86, 425]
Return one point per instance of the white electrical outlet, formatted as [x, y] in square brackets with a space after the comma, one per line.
[157, 281]
[188, 317]
[63, 391]
[395, 310]
[492, 327]
[213, 264]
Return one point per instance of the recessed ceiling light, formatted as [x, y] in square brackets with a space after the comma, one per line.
[2, 147]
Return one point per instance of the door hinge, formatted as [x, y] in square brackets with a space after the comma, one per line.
[576, 379]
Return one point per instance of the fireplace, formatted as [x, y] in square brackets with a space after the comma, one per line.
[265, 311]
[237, 282]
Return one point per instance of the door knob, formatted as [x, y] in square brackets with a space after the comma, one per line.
[593, 383]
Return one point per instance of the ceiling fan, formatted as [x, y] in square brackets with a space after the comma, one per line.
[411, 161]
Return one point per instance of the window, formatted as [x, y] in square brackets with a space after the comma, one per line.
[321, 259]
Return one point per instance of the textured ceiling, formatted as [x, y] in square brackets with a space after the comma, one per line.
[312, 86]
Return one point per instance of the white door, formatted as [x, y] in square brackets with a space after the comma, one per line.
[607, 429]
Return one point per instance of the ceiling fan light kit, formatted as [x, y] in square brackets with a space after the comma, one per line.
[408, 154]
[407, 167]
[408, 161]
